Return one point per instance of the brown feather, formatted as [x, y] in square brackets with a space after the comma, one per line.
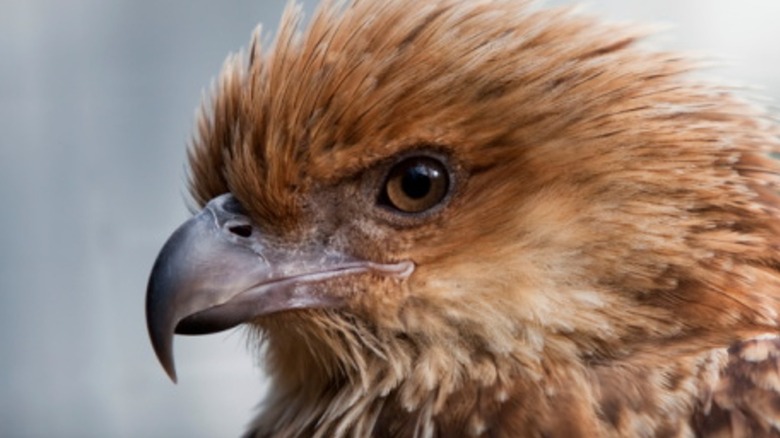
[745, 399]
[613, 225]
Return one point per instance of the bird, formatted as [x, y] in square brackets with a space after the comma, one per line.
[452, 218]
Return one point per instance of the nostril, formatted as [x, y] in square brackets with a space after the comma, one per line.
[241, 230]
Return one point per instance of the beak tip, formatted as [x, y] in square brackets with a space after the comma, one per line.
[164, 353]
[160, 316]
[165, 357]
[162, 344]
[172, 375]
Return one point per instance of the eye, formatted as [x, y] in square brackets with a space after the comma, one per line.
[416, 184]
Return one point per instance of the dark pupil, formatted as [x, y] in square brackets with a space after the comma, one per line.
[416, 182]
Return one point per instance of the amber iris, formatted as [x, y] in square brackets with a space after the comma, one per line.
[416, 184]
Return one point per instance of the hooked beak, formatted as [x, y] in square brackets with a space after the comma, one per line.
[218, 270]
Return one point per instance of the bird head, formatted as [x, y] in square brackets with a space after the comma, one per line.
[409, 197]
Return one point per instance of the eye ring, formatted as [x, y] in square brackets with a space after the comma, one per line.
[415, 185]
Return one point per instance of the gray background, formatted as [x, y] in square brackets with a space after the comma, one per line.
[96, 105]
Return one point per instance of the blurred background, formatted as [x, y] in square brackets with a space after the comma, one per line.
[97, 102]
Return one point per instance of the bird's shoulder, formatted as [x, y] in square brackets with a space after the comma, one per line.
[745, 399]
